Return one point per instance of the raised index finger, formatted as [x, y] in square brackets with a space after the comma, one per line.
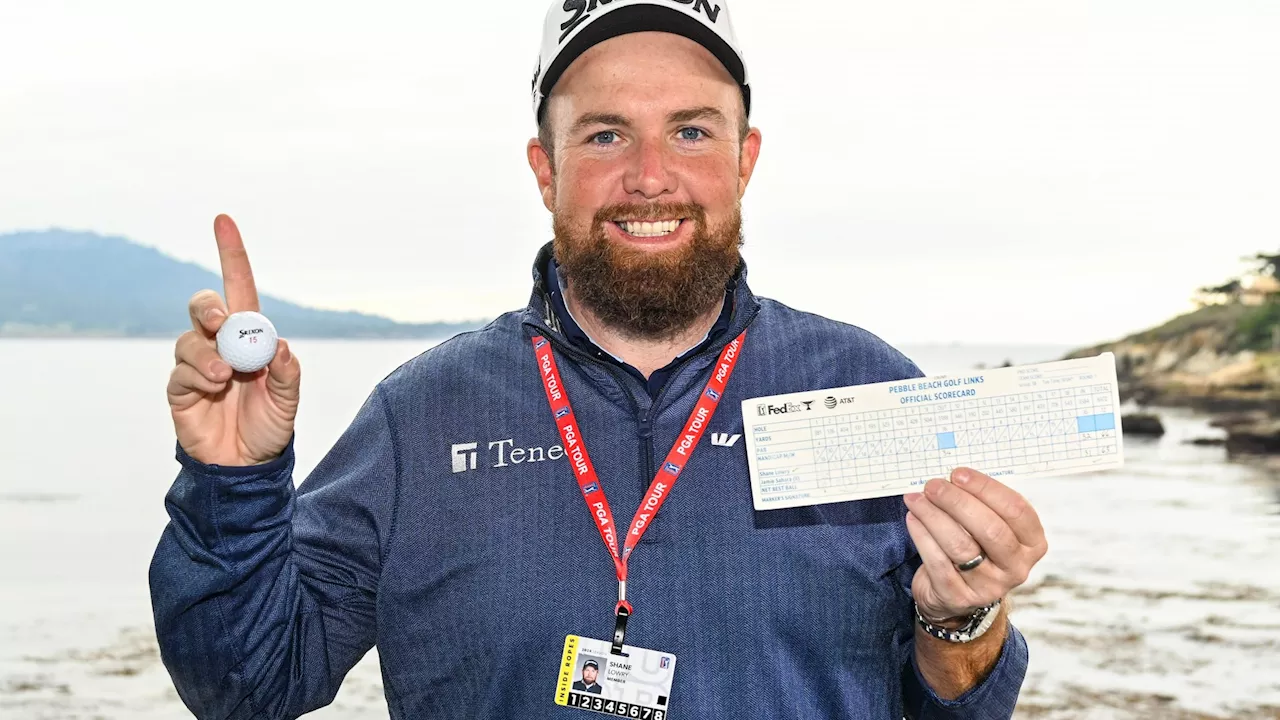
[237, 276]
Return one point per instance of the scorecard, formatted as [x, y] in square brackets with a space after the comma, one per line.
[890, 438]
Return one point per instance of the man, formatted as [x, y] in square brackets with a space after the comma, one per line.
[417, 532]
[590, 671]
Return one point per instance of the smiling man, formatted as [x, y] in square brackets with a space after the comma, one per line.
[453, 522]
[590, 671]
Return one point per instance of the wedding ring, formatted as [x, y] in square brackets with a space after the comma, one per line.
[971, 564]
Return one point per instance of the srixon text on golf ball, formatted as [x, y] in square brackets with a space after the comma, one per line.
[247, 341]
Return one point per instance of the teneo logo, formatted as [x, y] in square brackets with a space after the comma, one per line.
[501, 454]
[830, 403]
[462, 454]
[783, 409]
[582, 10]
[250, 331]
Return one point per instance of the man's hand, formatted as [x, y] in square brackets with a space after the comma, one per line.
[223, 417]
[952, 523]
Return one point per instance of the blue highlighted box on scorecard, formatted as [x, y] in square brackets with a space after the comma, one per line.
[868, 441]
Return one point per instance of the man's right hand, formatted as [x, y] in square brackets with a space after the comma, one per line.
[224, 417]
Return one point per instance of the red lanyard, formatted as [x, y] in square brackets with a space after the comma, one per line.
[663, 480]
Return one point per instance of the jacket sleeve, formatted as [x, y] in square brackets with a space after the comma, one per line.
[264, 598]
[992, 699]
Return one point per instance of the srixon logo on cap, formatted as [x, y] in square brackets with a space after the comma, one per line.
[582, 10]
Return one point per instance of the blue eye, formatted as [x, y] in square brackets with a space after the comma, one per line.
[691, 134]
[605, 138]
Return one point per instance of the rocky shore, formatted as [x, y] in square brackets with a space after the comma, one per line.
[1201, 361]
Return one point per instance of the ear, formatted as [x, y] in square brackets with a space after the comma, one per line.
[747, 159]
[544, 172]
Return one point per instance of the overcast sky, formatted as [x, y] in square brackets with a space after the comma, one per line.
[934, 171]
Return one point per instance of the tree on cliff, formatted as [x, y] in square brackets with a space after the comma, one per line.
[1267, 265]
[1260, 286]
[1220, 294]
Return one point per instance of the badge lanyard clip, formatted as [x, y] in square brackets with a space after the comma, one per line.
[624, 613]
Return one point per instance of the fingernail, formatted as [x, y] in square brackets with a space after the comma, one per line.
[960, 475]
[212, 314]
[912, 498]
[218, 367]
[935, 489]
[285, 355]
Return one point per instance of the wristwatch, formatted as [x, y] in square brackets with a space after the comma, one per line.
[974, 626]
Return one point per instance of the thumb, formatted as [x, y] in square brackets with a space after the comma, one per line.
[284, 373]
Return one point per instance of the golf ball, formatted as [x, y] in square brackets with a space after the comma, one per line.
[247, 341]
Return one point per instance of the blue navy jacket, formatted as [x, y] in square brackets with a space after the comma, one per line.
[445, 528]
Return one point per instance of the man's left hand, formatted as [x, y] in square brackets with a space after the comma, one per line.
[954, 522]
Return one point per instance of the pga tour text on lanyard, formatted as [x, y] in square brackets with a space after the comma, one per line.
[663, 480]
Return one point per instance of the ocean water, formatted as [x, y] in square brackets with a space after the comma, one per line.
[1160, 596]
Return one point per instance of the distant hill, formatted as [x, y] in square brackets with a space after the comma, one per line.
[59, 283]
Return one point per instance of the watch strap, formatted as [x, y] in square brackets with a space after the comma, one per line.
[974, 627]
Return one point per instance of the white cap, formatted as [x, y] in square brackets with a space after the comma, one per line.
[574, 26]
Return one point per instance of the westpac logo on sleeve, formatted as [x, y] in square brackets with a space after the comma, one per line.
[724, 439]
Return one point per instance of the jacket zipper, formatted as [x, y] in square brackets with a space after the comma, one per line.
[646, 446]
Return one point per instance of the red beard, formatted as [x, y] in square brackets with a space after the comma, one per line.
[648, 295]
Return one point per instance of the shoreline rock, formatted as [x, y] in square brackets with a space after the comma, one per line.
[1144, 424]
[1262, 438]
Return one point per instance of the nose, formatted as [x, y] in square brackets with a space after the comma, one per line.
[649, 175]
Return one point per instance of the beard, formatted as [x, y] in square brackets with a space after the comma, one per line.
[648, 295]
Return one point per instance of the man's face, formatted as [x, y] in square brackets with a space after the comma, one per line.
[589, 675]
[644, 180]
